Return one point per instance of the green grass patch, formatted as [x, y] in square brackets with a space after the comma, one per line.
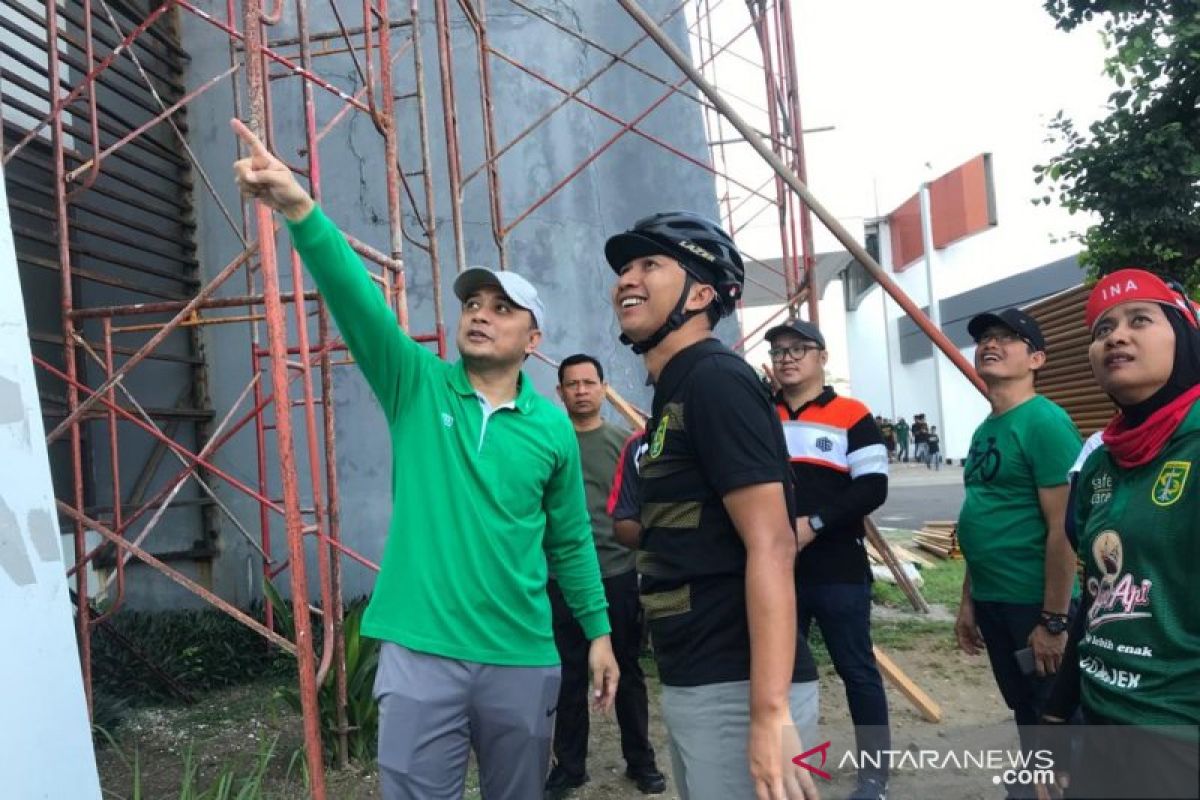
[911, 634]
[943, 584]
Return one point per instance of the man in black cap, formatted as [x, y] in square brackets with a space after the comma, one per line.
[840, 475]
[1020, 576]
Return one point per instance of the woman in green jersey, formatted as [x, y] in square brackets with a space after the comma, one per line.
[1133, 660]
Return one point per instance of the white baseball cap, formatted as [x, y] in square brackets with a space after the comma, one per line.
[519, 290]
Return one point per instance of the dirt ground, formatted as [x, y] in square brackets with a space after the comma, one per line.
[230, 727]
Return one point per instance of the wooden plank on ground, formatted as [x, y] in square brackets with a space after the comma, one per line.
[937, 551]
[908, 555]
[925, 704]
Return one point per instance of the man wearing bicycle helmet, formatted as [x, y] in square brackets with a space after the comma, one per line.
[1020, 567]
[718, 545]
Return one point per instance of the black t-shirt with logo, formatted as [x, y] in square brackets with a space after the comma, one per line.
[713, 430]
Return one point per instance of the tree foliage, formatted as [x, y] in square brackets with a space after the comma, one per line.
[1137, 168]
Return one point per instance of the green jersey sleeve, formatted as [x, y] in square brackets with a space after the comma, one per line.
[391, 361]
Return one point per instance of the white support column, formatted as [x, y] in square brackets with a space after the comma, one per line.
[935, 313]
[45, 736]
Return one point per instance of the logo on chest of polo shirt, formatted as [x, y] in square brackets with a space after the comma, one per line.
[447, 420]
[824, 444]
[660, 437]
[1168, 487]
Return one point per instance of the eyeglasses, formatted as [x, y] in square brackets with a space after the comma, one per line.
[797, 352]
[999, 337]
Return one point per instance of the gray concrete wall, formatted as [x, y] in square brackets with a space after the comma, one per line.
[559, 247]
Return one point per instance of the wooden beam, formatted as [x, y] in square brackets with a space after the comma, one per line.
[925, 704]
[636, 418]
[889, 558]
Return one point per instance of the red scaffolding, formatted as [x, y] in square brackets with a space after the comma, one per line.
[288, 401]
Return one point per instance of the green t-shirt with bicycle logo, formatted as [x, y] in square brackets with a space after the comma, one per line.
[1001, 530]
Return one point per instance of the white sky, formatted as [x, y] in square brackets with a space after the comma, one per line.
[912, 90]
[907, 84]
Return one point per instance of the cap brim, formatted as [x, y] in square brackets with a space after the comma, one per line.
[777, 330]
[981, 322]
[619, 250]
[472, 280]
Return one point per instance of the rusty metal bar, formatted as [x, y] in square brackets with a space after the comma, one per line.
[155, 340]
[52, 44]
[608, 143]
[184, 581]
[476, 19]
[277, 343]
[441, 15]
[632, 128]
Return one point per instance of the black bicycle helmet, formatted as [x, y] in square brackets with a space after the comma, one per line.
[701, 247]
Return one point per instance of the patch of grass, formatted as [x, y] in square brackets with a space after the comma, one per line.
[897, 634]
[911, 634]
[943, 585]
[232, 781]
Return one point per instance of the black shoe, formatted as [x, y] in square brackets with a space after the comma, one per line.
[560, 782]
[648, 780]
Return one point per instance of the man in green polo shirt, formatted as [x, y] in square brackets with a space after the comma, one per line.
[1012, 527]
[486, 488]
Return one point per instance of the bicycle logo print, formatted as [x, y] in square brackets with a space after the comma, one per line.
[982, 461]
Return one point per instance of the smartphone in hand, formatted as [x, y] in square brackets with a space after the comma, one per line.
[1025, 661]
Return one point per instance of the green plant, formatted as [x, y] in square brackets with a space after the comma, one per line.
[1138, 167]
[141, 659]
[229, 783]
[249, 786]
[362, 661]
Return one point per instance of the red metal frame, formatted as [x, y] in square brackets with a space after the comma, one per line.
[287, 362]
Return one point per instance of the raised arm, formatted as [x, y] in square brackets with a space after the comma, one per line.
[391, 362]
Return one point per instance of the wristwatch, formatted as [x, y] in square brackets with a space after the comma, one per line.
[1053, 623]
[816, 523]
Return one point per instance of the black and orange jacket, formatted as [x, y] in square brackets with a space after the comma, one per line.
[840, 470]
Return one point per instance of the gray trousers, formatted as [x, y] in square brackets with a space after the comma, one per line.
[433, 711]
[708, 727]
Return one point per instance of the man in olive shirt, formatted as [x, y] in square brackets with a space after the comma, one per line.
[581, 388]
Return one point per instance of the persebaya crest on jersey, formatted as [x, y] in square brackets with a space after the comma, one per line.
[1168, 487]
[660, 436]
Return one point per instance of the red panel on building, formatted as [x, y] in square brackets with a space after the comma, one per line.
[962, 203]
[905, 226]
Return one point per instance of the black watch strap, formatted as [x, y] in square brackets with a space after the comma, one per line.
[1053, 622]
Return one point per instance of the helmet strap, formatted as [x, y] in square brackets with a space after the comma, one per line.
[674, 322]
